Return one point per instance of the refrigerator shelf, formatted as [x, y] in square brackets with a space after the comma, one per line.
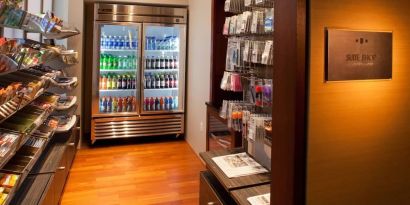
[118, 70]
[119, 90]
[159, 89]
[162, 51]
[118, 50]
[161, 70]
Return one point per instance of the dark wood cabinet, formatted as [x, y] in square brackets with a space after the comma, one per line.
[211, 192]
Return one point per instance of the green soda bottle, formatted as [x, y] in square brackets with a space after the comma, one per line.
[109, 62]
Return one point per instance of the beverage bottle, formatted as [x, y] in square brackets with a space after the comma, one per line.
[119, 62]
[171, 81]
[162, 81]
[119, 105]
[157, 82]
[105, 104]
[102, 43]
[100, 82]
[108, 42]
[101, 105]
[157, 106]
[101, 61]
[115, 62]
[175, 102]
[103, 82]
[129, 82]
[147, 63]
[134, 104]
[176, 63]
[162, 59]
[134, 43]
[167, 62]
[108, 62]
[104, 62]
[161, 103]
[145, 81]
[176, 81]
[109, 105]
[152, 62]
[124, 104]
[124, 82]
[113, 38]
[114, 41]
[134, 62]
[170, 102]
[152, 104]
[148, 43]
[148, 81]
[133, 82]
[114, 82]
[171, 63]
[166, 81]
[109, 82]
[153, 43]
[153, 84]
[115, 104]
[157, 63]
[126, 43]
[129, 104]
[119, 82]
[146, 104]
[122, 42]
[166, 105]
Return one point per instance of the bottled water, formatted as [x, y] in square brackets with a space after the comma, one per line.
[126, 42]
[121, 43]
[103, 40]
[108, 42]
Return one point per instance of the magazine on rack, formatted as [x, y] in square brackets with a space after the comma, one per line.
[260, 199]
[238, 165]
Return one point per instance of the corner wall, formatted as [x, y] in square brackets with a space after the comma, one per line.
[359, 132]
[198, 77]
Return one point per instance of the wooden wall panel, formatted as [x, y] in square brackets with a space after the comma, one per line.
[359, 132]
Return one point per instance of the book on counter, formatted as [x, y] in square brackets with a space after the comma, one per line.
[260, 199]
[238, 165]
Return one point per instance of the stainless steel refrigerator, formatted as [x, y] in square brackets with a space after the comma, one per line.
[138, 71]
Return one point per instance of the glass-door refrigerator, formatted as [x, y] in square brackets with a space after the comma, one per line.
[138, 85]
[117, 70]
[163, 69]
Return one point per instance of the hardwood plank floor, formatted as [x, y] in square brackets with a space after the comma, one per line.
[154, 173]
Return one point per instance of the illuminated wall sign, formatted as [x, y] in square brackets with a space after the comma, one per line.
[358, 55]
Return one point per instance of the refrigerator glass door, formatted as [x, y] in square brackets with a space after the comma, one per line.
[163, 78]
[117, 69]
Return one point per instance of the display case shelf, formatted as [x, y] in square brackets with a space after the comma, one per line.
[20, 104]
[119, 90]
[161, 70]
[160, 89]
[118, 50]
[161, 51]
[118, 70]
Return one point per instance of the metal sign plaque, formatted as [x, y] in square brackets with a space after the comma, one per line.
[358, 55]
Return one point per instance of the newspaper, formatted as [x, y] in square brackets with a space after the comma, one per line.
[237, 165]
[260, 199]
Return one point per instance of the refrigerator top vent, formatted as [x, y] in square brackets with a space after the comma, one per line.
[140, 14]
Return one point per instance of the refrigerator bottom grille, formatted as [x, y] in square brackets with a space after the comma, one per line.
[126, 127]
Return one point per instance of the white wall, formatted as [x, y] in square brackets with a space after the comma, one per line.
[199, 57]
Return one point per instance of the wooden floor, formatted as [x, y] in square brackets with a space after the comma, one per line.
[160, 173]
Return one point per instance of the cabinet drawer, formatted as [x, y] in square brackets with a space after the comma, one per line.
[211, 192]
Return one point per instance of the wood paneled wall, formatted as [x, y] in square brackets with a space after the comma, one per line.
[359, 132]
